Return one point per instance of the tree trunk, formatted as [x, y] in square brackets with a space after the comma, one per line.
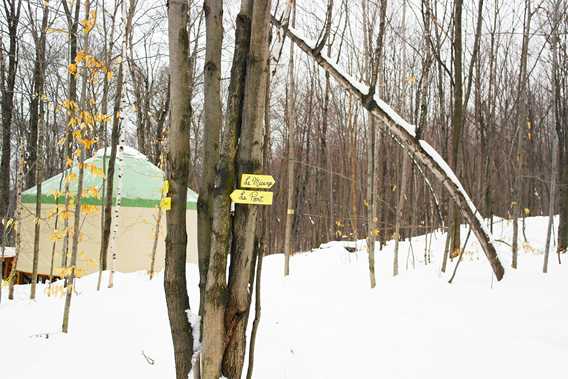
[264, 235]
[371, 219]
[523, 125]
[212, 126]
[114, 142]
[400, 207]
[457, 120]
[17, 221]
[77, 115]
[291, 123]
[73, 25]
[175, 283]
[551, 203]
[37, 132]
[12, 12]
[249, 160]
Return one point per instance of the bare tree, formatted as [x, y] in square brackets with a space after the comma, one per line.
[7, 83]
[175, 282]
[291, 124]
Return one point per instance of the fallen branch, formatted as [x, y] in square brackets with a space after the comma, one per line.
[405, 134]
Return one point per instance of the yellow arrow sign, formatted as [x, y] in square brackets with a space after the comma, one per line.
[257, 181]
[252, 197]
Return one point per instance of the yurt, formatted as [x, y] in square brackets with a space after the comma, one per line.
[140, 184]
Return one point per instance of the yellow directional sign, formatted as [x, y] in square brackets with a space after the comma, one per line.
[166, 203]
[257, 181]
[252, 197]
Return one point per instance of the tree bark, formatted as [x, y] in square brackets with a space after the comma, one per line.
[291, 124]
[551, 203]
[114, 142]
[12, 12]
[213, 114]
[523, 126]
[400, 207]
[457, 120]
[72, 268]
[36, 142]
[175, 282]
[249, 160]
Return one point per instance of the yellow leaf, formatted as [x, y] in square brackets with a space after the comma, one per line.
[72, 68]
[166, 203]
[88, 143]
[88, 209]
[71, 177]
[92, 192]
[89, 23]
[70, 104]
[103, 117]
[80, 56]
[56, 235]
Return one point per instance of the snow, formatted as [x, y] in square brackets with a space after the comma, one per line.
[323, 321]
[450, 173]
[299, 34]
[195, 322]
[361, 87]
[393, 115]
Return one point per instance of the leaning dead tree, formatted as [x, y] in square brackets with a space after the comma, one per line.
[405, 134]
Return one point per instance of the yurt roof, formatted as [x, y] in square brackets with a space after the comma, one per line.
[141, 183]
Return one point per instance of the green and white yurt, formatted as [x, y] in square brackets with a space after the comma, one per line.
[140, 187]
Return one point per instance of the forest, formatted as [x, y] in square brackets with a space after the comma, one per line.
[245, 172]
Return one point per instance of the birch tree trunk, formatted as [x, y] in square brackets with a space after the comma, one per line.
[17, 222]
[103, 134]
[127, 14]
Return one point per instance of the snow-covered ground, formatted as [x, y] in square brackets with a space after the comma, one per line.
[323, 321]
